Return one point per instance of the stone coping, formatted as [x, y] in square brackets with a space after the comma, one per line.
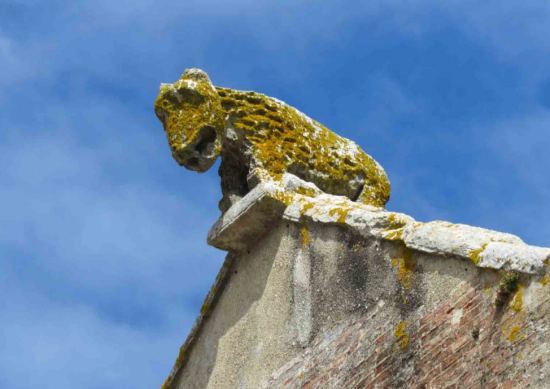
[246, 221]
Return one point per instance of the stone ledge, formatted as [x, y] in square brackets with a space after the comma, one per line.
[249, 219]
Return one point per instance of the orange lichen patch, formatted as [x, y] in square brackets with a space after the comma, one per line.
[401, 336]
[517, 302]
[475, 255]
[405, 265]
[304, 233]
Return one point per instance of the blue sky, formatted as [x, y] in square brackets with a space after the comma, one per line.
[103, 260]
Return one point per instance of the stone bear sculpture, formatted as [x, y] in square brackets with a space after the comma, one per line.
[259, 139]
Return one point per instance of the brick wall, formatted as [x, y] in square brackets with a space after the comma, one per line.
[484, 335]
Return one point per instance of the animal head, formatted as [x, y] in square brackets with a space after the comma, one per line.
[193, 120]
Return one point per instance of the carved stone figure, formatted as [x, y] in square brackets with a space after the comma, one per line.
[261, 139]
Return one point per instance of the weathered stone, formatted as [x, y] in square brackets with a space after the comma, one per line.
[507, 256]
[260, 139]
[250, 218]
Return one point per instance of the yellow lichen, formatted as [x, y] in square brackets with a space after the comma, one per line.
[304, 232]
[306, 206]
[401, 336]
[285, 197]
[475, 255]
[514, 333]
[306, 191]
[395, 222]
[517, 302]
[187, 107]
[394, 234]
[515, 320]
[544, 280]
[405, 266]
[512, 326]
[511, 329]
[395, 228]
[281, 139]
[204, 308]
[341, 212]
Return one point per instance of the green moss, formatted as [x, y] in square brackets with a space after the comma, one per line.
[509, 283]
[508, 286]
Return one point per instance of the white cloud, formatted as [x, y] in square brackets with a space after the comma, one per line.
[64, 201]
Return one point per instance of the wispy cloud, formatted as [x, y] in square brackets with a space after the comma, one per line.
[101, 264]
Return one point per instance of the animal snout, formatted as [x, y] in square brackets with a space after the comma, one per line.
[185, 156]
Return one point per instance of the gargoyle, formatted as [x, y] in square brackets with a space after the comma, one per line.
[259, 139]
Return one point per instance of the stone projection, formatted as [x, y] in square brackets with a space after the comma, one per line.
[260, 138]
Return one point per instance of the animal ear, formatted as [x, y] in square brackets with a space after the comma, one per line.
[196, 74]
